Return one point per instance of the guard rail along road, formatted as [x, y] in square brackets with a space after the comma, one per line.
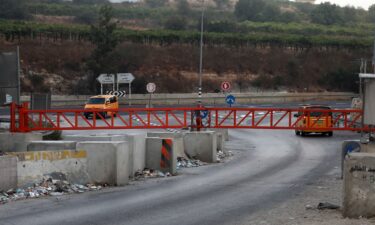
[208, 98]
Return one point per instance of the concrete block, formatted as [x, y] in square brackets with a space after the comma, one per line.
[8, 172]
[224, 132]
[201, 145]
[94, 137]
[17, 142]
[348, 146]
[178, 140]
[137, 152]
[155, 156]
[107, 162]
[369, 147]
[51, 145]
[220, 142]
[32, 166]
[359, 185]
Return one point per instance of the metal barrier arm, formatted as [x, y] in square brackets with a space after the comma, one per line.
[177, 118]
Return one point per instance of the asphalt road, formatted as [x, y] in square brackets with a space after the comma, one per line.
[268, 167]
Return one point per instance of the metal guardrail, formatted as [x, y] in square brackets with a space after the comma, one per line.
[208, 98]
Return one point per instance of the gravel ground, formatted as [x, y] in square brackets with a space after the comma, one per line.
[302, 209]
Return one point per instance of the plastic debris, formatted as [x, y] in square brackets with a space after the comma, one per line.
[327, 205]
[150, 173]
[50, 185]
[222, 155]
[188, 163]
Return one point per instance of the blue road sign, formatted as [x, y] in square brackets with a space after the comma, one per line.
[230, 99]
[352, 147]
[204, 114]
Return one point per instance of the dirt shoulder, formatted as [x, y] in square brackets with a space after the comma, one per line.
[302, 209]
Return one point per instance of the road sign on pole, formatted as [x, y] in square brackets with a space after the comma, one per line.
[125, 78]
[106, 79]
[151, 87]
[230, 100]
[117, 93]
[225, 86]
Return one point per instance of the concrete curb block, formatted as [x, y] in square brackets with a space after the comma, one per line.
[201, 145]
[154, 154]
[359, 185]
[107, 162]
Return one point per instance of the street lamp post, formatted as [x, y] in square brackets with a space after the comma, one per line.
[201, 59]
[198, 112]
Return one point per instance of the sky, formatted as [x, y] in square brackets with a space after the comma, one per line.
[357, 3]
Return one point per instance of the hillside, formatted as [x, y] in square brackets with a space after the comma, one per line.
[253, 54]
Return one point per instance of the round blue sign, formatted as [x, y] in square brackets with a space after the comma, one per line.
[230, 99]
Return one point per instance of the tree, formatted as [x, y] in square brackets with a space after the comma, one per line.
[183, 7]
[221, 4]
[86, 17]
[371, 14]
[327, 14]
[90, 1]
[269, 13]
[103, 36]
[155, 3]
[175, 23]
[350, 14]
[249, 9]
[13, 9]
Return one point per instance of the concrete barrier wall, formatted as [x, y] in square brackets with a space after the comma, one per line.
[32, 166]
[51, 145]
[136, 142]
[17, 142]
[107, 161]
[208, 98]
[178, 140]
[99, 137]
[154, 155]
[201, 145]
[8, 172]
[137, 152]
[224, 132]
[369, 147]
[359, 185]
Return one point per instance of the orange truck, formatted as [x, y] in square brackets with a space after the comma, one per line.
[102, 102]
[309, 120]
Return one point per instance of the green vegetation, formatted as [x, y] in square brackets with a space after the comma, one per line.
[256, 34]
[103, 36]
[259, 25]
[13, 9]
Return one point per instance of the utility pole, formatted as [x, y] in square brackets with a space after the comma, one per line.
[201, 59]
